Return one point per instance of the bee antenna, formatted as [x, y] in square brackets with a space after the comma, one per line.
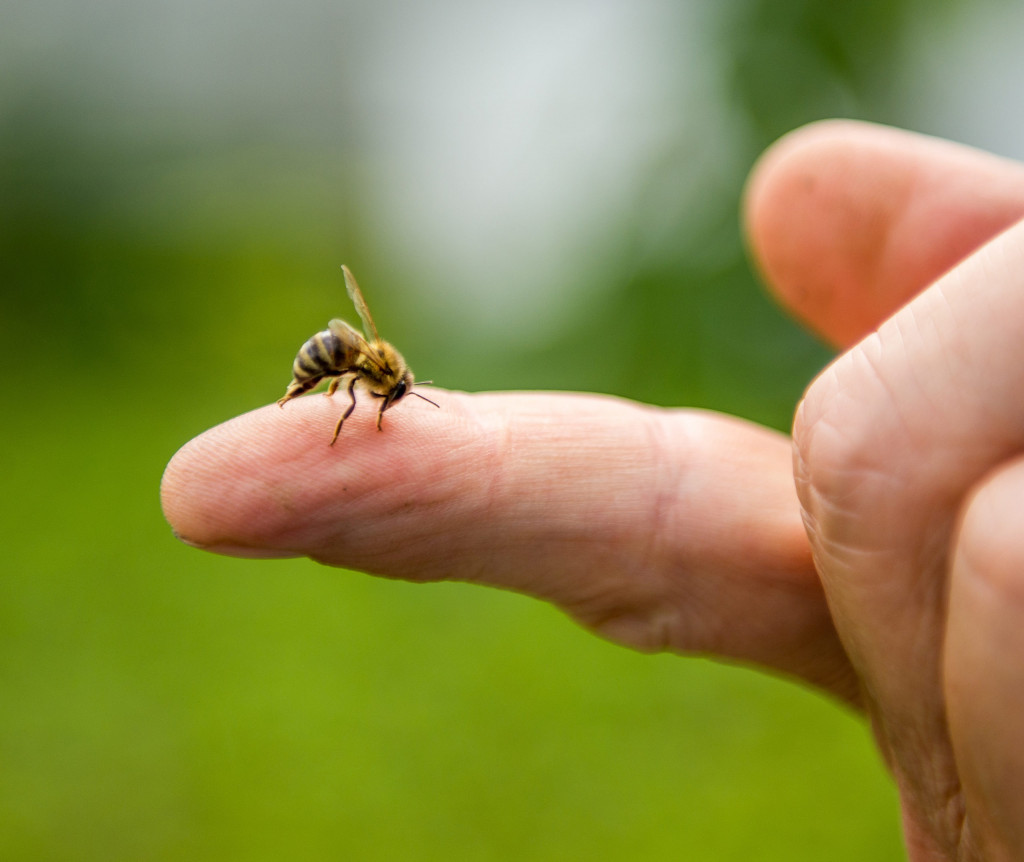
[424, 397]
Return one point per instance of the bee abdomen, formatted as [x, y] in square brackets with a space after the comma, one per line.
[321, 356]
[324, 355]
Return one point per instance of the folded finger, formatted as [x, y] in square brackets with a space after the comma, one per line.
[848, 221]
[890, 440]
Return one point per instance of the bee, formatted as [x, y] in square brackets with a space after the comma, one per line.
[340, 352]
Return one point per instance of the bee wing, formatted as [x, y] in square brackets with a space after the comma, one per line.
[348, 335]
[353, 341]
[356, 295]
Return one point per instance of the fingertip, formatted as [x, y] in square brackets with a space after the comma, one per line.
[817, 207]
[786, 180]
[196, 486]
[787, 164]
[846, 221]
[269, 484]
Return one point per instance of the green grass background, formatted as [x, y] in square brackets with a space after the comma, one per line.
[160, 703]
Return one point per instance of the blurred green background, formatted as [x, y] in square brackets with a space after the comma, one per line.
[529, 193]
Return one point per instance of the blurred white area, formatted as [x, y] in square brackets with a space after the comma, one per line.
[496, 147]
[516, 136]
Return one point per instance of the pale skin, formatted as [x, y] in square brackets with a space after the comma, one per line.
[878, 554]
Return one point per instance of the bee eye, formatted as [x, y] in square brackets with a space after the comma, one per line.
[399, 391]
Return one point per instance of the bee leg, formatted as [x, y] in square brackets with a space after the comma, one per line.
[349, 409]
[293, 389]
[333, 385]
[296, 388]
[380, 413]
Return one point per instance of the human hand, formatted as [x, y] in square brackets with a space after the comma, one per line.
[908, 453]
[661, 529]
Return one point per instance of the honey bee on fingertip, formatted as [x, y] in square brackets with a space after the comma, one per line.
[340, 352]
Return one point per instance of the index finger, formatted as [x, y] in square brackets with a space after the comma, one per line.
[660, 529]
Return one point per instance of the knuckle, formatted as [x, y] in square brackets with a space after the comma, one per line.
[849, 441]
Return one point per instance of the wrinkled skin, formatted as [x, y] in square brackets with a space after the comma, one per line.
[890, 573]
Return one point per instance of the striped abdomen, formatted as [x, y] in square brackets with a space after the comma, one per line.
[324, 355]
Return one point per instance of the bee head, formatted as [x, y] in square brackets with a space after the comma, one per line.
[402, 388]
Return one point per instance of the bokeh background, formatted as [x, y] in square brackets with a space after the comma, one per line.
[533, 195]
